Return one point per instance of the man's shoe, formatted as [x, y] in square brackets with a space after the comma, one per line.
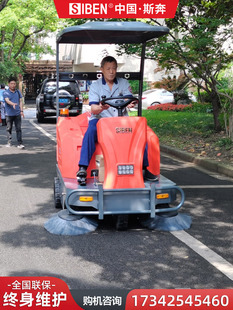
[147, 175]
[82, 176]
[9, 144]
[21, 146]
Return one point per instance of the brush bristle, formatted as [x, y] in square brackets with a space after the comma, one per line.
[59, 226]
[177, 222]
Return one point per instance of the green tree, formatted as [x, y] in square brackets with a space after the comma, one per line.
[199, 44]
[22, 25]
[172, 83]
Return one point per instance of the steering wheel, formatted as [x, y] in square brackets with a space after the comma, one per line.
[120, 101]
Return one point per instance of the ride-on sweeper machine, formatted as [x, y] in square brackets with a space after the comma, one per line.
[115, 184]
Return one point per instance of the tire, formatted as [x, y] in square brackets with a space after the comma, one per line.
[40, 117]
[168, 213]
[154, 103]
[57, 194]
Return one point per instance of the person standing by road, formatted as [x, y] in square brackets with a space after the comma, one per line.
[14, 111]
[2, 105]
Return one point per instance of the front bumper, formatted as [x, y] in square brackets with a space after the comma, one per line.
[120, 201]
[52, 112]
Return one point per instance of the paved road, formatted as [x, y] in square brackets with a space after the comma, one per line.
[198, 258]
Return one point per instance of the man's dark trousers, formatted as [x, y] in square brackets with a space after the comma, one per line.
[17, 121]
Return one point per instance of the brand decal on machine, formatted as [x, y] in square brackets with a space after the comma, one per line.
[124, 129]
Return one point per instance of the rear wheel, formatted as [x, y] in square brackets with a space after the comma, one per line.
[40, 117]
[155, 103]
[57, 194]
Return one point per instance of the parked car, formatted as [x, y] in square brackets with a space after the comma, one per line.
[69, 96]
[156, 96]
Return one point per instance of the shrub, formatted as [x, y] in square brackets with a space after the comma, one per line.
[225, 142]
[170, 107]
[201, 107]
[205, 97]
[181, 97]
[135, 86]
[85, 95]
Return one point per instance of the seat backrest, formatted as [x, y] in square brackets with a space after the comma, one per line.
[122, 140]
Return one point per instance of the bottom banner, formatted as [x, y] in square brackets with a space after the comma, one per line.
[50, 292]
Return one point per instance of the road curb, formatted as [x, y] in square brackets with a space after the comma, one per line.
[208, 164]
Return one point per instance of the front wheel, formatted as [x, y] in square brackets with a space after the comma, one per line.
[165, 213]
[57, 193]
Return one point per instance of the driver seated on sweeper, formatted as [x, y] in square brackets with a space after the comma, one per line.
[108, 86]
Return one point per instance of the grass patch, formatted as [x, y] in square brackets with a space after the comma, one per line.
[190, 131]
[177, 127]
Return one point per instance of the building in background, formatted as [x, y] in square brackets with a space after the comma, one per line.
[83, 58]
[36, 71]
[87, 58]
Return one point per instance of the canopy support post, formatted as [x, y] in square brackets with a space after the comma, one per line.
[141, 78]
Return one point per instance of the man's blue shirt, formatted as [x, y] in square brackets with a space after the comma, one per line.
[13, 97]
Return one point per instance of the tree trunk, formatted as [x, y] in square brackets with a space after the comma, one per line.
[2, 41]
[3, 4]
[216, 110]
[231, 125]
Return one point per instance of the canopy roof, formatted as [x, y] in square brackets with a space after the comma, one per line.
[111, 33]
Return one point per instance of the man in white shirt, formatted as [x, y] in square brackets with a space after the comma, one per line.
[108, 86]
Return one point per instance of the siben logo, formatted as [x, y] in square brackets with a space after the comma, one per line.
[124, 130]
[88, 8]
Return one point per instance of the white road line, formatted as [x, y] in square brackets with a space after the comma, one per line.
[206, 186]
[43, 131]
[213, 258]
